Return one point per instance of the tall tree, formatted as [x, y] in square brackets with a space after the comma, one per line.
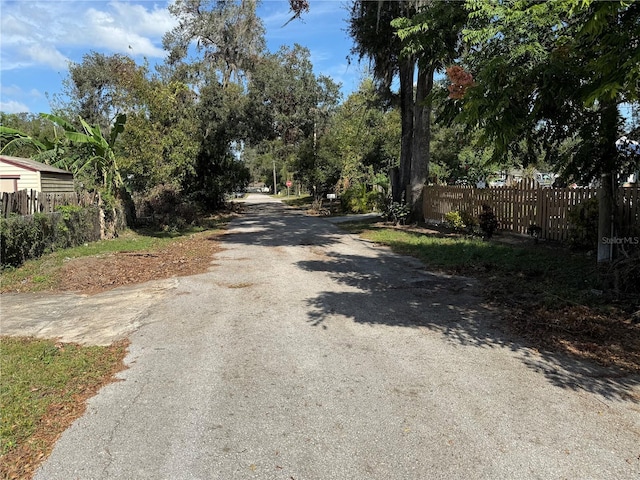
[214, 48]
[375, 38]
[161, 142]
[287, 98]
[228, 36]
[552, 71]
[413, 40]
[433, 35]
[364, 135]
[102, 86]
[289, 106]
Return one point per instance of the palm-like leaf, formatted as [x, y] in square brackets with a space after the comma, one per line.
[15, 138]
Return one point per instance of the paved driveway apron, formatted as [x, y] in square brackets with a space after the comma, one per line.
[306, 353]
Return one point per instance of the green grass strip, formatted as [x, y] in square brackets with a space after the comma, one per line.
[40, 374]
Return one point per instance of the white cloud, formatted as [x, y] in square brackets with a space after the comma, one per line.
[47, 33]
[105, 30]
[44, 55]
[154, 22]
[11, 90]
[13, 107]
[21, 41]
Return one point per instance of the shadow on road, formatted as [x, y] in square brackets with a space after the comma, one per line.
[379, 287]
[274, 225]
[447, 305]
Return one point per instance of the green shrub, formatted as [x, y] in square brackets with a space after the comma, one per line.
[397, 212]
[76, 225]
[351, 200]
[470, 222]
[26, 237]
[167, 208]
[359, 199]
[462, 221]
[454, 220]
[20, 238]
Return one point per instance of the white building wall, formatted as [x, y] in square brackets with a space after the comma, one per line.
[29, 179]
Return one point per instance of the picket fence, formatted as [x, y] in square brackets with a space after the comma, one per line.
[28, 202]
[518, 207]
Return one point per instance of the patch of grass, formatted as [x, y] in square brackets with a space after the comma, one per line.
[44, 385]
[554, 277]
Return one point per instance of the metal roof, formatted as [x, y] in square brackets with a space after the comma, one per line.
[32, 165]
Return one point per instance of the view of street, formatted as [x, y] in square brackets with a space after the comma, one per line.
[307, 353]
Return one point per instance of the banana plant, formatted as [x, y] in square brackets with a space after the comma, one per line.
[10, 139]
[103, 157]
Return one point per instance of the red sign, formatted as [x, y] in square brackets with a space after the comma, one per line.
[289, 183]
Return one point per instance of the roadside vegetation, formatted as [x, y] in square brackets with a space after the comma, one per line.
[44, 388]
[136, 251]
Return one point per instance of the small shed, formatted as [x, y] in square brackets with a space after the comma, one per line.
[23, 173]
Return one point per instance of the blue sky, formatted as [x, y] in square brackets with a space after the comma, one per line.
[38, 39]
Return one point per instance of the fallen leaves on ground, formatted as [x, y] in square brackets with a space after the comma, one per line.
[90, 275]
[611, 339]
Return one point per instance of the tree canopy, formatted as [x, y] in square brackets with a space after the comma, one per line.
[526, 82]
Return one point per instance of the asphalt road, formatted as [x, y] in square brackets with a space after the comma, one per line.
[306, 353]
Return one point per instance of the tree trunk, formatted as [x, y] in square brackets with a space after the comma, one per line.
[407, 67]
[421, 142]
[606, 221]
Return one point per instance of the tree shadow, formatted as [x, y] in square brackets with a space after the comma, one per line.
[377, 286]
[271, 225]
[391, 291]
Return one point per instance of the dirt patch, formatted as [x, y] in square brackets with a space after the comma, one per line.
[90, 275]
[611, 339]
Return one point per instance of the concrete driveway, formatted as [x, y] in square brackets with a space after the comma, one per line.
[306, 353]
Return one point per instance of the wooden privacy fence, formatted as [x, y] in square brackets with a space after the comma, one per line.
[518, 207]
[28, 202]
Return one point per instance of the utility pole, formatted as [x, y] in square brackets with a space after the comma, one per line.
[274, 177]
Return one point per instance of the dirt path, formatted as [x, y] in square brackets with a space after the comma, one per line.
[306, 353]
